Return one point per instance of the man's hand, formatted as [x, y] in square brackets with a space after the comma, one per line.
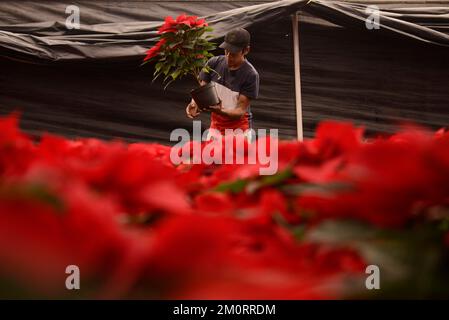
[192, 110]
[217, 108]
[236, 113]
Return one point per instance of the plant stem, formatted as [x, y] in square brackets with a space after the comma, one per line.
[196, 75]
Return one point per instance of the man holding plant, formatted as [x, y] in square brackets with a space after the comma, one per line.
[237, 83]
[184, 49]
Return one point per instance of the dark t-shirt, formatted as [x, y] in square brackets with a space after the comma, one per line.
[244, 80]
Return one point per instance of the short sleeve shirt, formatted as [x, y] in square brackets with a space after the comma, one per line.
[230, 84]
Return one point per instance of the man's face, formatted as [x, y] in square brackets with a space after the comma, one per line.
[234, 60]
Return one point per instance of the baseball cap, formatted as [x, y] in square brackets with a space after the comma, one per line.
[236, 40]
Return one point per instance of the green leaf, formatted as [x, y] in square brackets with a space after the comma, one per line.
[180, 53]
[298, 231]
[198, 63]
[166, 69]
[174, 44]
[168, 83]
[158, 67]
[234, 186]
[315, 188]
[156, 76]
[176, 74]
[35, 192]
[181, 61]
[272, 180]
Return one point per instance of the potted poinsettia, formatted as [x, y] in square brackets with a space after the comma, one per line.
[184, 49]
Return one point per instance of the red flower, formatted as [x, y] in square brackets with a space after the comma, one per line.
[43, 229]
[214, 202]
[391, 181]
[318, 173]
[335, 138]
[265, 265]
[16, 148]
[185, 246]
[194, 22]
[273, 202]
[183, 18]
[169, 25]
[200, 23]
[130, 219]
[155, 50]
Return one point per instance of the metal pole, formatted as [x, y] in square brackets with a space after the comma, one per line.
[298, 101]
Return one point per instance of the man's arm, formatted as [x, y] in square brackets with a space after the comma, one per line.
[250, 90]
[236, 113]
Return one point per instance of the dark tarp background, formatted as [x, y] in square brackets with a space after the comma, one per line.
[88, 82]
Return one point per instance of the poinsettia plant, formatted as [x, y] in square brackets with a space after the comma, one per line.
[337, 206]
[183, 49]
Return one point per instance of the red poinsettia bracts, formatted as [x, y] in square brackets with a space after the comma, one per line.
[152, 52]
[170, 24]
[139, 226]
[182, 48]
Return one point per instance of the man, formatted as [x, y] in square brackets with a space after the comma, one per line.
[237, 83]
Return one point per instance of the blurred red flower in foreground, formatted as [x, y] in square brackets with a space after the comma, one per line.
[138, 226]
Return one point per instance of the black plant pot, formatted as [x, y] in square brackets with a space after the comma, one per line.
[205, 96]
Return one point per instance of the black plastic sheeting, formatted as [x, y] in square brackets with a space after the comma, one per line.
[370, 78]
[51, 40]
[88, 82]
